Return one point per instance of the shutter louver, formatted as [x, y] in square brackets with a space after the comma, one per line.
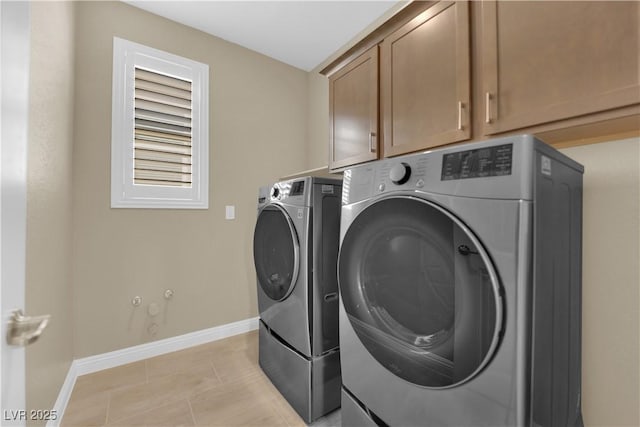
[162, 130]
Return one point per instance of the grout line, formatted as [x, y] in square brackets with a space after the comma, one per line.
[193, 417]
[106, 421]
[215, 371]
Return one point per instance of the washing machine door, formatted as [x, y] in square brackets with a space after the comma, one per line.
[276, 252]
[420, 291]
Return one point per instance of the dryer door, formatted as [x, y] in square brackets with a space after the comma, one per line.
[276, 252]
[420, 291]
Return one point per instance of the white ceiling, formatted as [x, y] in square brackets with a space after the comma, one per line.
[300, 33]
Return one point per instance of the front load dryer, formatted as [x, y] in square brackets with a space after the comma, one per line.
[295, 249]
[460, 284]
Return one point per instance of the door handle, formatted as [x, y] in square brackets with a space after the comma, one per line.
[487, 106]
[24, 330]
[465, 250]
[372, 149]
[330, 297]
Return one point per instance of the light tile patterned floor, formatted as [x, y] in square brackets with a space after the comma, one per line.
[216, 384]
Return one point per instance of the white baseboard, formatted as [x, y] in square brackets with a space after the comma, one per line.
[99, 362]
[64, 395]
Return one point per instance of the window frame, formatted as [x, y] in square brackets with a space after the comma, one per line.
[127, 56]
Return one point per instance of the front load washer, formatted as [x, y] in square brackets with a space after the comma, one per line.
[295, 249]
[460, 283]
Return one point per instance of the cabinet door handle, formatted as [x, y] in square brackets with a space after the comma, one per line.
[372, 135]
[487, 111]
[460, 115]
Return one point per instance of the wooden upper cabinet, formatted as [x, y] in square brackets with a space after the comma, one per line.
[353, 112]
[546, 61]
[424, 78]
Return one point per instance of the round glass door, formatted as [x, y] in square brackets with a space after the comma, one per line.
[420, 292]
[275, 252]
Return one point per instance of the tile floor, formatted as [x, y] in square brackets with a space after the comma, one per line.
[215, 384]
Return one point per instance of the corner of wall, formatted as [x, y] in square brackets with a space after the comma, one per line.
[317, 120]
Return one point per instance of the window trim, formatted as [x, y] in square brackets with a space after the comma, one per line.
[124, 193]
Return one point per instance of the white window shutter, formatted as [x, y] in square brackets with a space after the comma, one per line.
[159, 144]
[162, 138]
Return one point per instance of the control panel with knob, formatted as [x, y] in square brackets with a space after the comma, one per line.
[275, 193]
[400, 173]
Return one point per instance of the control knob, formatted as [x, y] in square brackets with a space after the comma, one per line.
[400, 173]
[275, 193]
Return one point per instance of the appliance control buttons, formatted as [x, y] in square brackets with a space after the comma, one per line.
[381, 187]
[275, 193]
[400, 173]
[420, 183]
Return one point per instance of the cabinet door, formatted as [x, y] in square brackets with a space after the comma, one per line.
[545, 61]
[353, 112]
[425, 80]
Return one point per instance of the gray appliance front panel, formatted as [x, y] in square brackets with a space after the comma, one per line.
[354, 415]
[308, 318]
[290, 317]
[491, 397]
[325, 234]
[529, 221]
[295, 192]
[310, 385]
[426, 172]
